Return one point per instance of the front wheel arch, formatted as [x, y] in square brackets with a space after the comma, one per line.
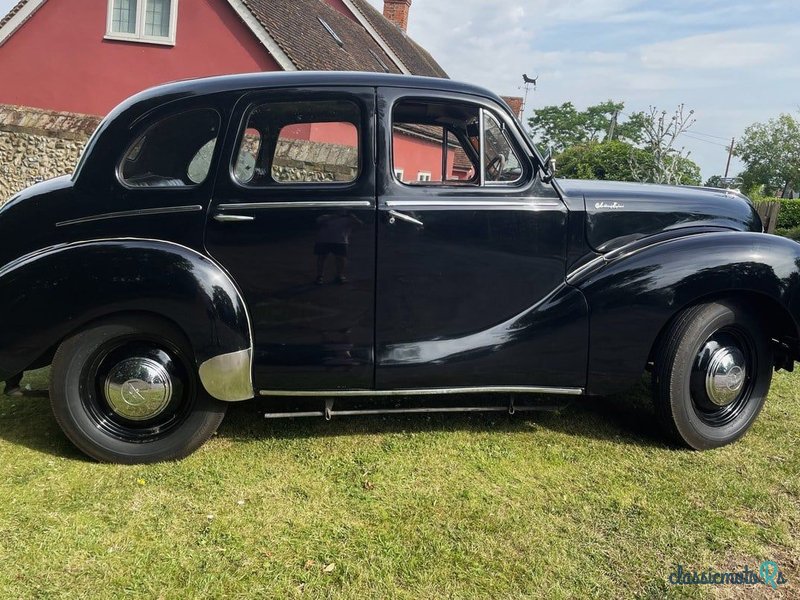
[777, 320]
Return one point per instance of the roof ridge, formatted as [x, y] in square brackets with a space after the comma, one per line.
[380, 35]
[378, 20]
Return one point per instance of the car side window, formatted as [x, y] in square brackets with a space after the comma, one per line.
[500, 161]
[450, 143]
[173, 152]
[304, 142]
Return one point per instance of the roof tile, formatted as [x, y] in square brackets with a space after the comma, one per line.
[295, 26]
[413, 56]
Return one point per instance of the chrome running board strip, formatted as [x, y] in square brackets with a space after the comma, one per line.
[329, 411]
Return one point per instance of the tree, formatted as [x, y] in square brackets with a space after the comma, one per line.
[714, 181]
[613, 160]
[666, 163]
[771, 153]
[609, 160]
[564, 126]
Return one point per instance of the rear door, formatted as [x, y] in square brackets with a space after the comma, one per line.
[293, 221]
[471, 253]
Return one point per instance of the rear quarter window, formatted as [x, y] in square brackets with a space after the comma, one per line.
[173, 152]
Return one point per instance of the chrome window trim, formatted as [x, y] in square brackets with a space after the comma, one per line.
[141, 212]
[301, 204]
[482, 144]
[512, 389]
[504, 131]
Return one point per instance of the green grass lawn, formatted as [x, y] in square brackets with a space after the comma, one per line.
[587, 502]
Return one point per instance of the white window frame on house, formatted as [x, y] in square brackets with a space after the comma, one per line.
[424, 177]
[399, 173]
[139, 35]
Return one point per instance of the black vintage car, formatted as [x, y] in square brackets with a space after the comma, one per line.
[261, 235]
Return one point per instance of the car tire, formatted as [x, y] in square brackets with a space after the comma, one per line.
[126, 390]
[712, 372]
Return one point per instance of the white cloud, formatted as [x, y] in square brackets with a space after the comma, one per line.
[735, 49]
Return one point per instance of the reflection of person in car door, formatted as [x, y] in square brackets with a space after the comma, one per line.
[333, 237]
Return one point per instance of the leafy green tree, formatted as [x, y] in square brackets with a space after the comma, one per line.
[771, 153]
[563, 126]
[618, 161]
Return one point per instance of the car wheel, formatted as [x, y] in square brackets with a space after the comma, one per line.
[126, 391]
[711, 375]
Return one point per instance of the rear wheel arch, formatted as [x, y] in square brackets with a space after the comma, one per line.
[124, 389]
[92, 280]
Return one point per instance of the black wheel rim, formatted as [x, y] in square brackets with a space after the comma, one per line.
[137, 389]
[723, 376]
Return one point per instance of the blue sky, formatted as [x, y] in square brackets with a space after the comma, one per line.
[733, 61]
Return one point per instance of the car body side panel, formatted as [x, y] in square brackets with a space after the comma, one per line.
[474, 293]
[633, 297]
[47, 295]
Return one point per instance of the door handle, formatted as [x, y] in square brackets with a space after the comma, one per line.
[394, 215]
[223, 218]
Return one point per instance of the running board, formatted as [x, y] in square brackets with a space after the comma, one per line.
[329, 412]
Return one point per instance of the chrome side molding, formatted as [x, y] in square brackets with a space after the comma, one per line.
[141, 212]
[508, 389]
[299, 204]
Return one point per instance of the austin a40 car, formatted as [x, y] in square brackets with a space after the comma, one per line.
[348, 236]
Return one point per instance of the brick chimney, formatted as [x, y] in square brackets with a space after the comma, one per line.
[397, 12]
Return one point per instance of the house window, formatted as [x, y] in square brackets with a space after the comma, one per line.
[399, 173]
[423, 176]
[150, 21]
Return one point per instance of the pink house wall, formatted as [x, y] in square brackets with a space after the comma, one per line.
[58, 59]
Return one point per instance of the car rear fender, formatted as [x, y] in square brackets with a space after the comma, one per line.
[49, 294]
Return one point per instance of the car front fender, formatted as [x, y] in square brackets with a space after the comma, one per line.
[632, 297]
[47, 295]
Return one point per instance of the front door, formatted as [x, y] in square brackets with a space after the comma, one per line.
[293, 221]
[471, 254]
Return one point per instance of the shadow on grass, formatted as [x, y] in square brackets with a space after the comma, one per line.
[624, 419]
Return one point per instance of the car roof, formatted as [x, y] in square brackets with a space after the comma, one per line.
[256, 81]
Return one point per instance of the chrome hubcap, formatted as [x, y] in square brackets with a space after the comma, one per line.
[138, 388]
[726, 375]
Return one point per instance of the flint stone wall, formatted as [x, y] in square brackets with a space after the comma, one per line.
[36, 145]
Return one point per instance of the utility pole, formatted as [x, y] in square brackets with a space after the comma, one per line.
[730, 156]
[612, 128]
